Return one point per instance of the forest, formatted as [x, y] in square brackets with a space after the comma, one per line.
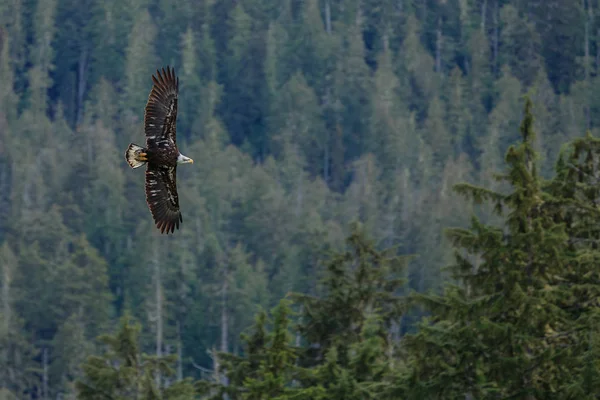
[391, 199]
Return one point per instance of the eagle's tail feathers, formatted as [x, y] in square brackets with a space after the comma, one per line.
[135, 156]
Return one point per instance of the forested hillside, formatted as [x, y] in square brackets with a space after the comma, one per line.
[302, 117]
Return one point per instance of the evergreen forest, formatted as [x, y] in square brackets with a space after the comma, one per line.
[391, 199]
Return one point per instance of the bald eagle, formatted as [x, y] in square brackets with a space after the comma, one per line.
[161, 155]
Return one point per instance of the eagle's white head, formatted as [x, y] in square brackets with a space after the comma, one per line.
[181, 159]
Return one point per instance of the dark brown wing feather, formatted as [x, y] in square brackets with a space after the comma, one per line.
[162, 198]
[161, 109]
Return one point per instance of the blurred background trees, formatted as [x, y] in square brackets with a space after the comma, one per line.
[303, 116]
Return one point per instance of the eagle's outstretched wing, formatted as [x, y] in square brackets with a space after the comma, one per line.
[162, 198]
[161, 109]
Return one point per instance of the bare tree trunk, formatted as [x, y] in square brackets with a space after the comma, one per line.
[483, 15]
[81, 83]
[45, 374]
[216, 365]
[217, 376]
[393, 337]
[597, 50]
[179, 353]
[586, 45]
[328, 17]
[158, 309]
[6, 280]
[224, 319]
[299, 196]
[199, 232]
[496, 38]
[438, 47]
[224, 315]
[326, 101]
[326, 159]
[6, 309]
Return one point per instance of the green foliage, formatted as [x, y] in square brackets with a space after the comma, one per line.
[16, 352]
[140, 58]
[357, 283]
[302, 116]
[509, 328]
[124, 372]
[342, 349]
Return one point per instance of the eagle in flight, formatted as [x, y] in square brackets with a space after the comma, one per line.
[161, 155]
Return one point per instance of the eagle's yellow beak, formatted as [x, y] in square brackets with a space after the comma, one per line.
[181, 159]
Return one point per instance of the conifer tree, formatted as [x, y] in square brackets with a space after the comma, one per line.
[502, 128]
[16, 353]
[266, 368]
[418, 63]
[297, 122]
[487, 335]
[8, 105]
[70, 347]
[518, 39]
[352, 80]
[575, 188]
[191, 83]
[244, 89]
[140, 57]
[344, 350]
[124, 372]
[357, 282]
[390, 137]
[42, 56]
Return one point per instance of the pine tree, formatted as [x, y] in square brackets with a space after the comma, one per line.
[575, 187]
[266, 368]
[124, 372]
[70, 347]
[391, 134]
[191, 84]
[357, 282]
[42, 56]
[311, 47]
[352, 80]
[8, 98]
[344, 350]
[436, 136]
[503, 121]
[418, 63]
[458, 116]
[488, 334]
[243, 108]
[364, 195]
[76, 38]
[140, 61]
[297, 121]
[15, 48]
[16, 352]
[8, 105]
[519, 40]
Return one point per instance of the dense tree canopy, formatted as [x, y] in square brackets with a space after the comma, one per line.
[304, 116]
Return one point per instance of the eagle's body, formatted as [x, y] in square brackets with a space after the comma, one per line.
[161, 154]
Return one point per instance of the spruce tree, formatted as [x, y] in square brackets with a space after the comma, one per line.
[343, 347]
[488, 333]
[124, 372]
[347, 347]
[266, 368]
[575, 187]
